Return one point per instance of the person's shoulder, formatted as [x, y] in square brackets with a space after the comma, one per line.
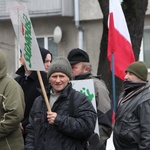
[17, 78]
[146, 91]
[99, 84]
[8, 79]
[44, 75]
[34, 75]
[38, 103]
[98, 80]
[20, 71]
[10, 82]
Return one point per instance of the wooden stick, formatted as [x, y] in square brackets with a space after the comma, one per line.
[43, 90]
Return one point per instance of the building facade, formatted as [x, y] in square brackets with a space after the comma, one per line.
[79, 23]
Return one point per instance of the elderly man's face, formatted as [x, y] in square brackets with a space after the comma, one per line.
[58, 81]
[79, 69]
[131, 77]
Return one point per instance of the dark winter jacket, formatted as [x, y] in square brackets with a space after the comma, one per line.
[29, 85]
[66, 130]
[104, 109]
[132, 125]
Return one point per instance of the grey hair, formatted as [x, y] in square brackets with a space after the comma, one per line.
[85, 64]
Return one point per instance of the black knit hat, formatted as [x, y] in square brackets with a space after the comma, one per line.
[60, 64]
[139, 69]
[44, 53]
[78, 55]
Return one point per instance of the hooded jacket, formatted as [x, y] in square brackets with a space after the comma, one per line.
[11, 110]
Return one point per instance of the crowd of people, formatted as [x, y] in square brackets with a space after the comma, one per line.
[25, 122]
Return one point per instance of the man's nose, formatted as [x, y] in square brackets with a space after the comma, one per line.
[58, 79]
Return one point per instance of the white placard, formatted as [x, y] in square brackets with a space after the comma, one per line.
[25, 35]
[87, 87]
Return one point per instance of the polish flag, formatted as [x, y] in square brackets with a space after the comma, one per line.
[119, 43]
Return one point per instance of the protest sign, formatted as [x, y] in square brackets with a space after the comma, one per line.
[27, 40]
[87, 87]
[25, 35]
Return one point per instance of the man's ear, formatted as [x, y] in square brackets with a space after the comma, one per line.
[88, 69]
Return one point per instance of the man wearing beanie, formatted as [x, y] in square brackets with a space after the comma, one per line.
[60, 129]
[81, 70]
[132, 125]
[29, 82]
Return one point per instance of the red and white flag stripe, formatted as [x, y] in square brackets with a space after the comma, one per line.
[119, 43]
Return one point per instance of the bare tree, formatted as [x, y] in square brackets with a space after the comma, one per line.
[134, 11]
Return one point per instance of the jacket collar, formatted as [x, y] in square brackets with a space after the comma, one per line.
[83, 76]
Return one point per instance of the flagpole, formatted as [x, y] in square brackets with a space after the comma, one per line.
[43, 91]
[113, 83]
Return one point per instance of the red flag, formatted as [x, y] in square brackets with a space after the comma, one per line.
[119, 42]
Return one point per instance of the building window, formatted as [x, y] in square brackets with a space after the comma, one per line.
[48, 43]
[40, 42]
[145, 48]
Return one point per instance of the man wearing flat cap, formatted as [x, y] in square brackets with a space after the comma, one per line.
[132, 124]
[58, 129]
[81, 70]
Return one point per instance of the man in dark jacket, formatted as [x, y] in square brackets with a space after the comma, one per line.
[29, 82]
[58, 130]
[132, 125]
[81, 70]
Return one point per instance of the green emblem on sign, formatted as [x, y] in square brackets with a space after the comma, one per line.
[87, 93]
[28, 40]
